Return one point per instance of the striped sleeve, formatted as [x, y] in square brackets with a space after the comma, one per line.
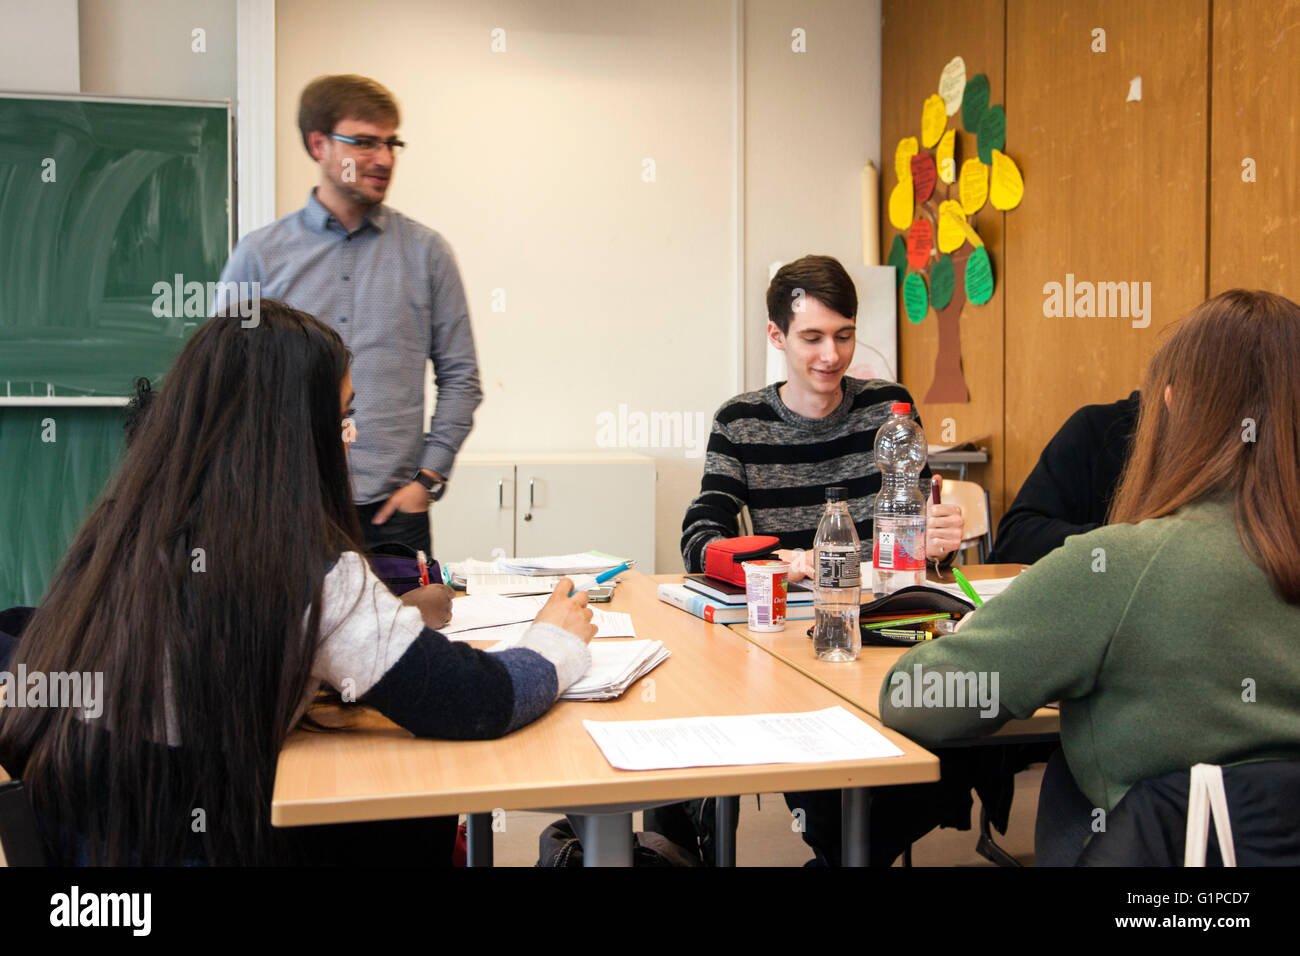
[715, 511]
[377, 651]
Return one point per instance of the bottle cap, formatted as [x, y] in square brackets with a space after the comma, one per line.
[837, 493]
[900, 408]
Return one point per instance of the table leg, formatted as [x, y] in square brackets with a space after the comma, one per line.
[726, 814]
[478, 839]
[606, 838]
[854, 849]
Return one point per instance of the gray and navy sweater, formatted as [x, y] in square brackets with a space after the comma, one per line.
[380, 652]
[779, 463]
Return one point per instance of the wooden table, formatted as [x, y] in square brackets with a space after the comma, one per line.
[381, 772]
[859, 682]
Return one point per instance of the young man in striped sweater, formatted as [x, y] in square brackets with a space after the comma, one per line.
[776, 450]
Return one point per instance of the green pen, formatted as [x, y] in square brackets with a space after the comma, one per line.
[965, 586]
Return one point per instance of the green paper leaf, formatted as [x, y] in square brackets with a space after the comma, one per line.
[898, 259]
[992, 134]
[943, 280]
[975, 102]
[979, 277]
[915, 298]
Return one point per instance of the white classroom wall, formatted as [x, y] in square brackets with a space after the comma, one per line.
[531, 161]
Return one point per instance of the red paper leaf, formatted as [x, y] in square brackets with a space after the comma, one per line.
[920, 241]
[923, 176]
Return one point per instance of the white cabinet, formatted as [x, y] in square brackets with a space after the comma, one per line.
[530, 505]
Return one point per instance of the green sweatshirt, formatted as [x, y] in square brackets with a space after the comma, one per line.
[1164, 643]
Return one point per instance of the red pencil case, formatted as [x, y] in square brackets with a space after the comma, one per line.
[723, 558]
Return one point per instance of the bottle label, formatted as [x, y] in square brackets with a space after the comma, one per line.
[900, 550]
[838, 569]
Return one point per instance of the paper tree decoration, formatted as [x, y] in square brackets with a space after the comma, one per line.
[941, 260]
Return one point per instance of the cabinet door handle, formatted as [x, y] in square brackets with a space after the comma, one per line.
[528, 516]
[501, 494]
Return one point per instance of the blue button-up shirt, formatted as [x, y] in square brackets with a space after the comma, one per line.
[392, 290]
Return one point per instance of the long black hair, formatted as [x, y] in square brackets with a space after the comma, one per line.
[194, 588]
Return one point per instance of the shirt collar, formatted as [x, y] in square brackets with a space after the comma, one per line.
[319, 218]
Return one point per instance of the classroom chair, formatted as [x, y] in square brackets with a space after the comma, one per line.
[20, 842]
[1256, 821]
[976, 531]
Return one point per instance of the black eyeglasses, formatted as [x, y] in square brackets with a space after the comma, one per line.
[369, 144]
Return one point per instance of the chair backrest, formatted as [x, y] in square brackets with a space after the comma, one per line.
[1149, 826]
[20, 841]
[974, 501]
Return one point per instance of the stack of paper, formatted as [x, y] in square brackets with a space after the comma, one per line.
[986, 588]
[588, 562]
[493, 577]
[819, 736]
[479, 617]
[615, 667]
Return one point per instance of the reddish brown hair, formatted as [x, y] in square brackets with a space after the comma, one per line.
[1233, 426]
[329, 99]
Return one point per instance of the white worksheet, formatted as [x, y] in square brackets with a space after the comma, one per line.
[814, 737]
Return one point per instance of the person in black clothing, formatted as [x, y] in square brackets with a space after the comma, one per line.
[1070, 488]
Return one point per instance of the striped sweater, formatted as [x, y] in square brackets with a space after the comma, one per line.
[779, 463]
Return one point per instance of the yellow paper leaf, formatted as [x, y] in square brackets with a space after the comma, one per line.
[907, 148]
[951, 219]
[1008, 186]
[934, 117]
[944, 158]
[900, 204]
[974, 186]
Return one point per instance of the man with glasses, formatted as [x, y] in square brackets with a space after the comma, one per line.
[391, 288]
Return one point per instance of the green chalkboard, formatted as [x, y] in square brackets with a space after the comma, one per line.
[102, 203]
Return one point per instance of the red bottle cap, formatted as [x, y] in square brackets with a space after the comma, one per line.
[900, 408]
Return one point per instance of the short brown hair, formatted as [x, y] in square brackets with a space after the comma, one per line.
[328, 99]
[818, 277]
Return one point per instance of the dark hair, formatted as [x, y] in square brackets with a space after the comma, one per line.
[328, 99]
[819, 277]
[240, 456]
[1234, 367]
[136, 408]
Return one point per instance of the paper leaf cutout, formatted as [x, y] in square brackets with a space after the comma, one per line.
[900, 204]
[1007, 186]
[979, 277]
[952, 84]
[934, 119]
[943, 281]
[974, 187]
[898, 259]
[944, 158]
[920, 243]
[923, 176]
[915, 298]
[975, 102]
[907, 148]
[992, 134]
[951, 233]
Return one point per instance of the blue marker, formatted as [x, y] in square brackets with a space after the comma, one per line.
[602, 578]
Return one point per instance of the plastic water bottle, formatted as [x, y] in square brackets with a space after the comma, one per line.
[898, 555]
[839, 581]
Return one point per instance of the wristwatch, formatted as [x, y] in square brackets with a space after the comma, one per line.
[433, 486]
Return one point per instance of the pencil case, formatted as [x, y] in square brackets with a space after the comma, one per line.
[396, 565]
[914, 601]
[723, 559]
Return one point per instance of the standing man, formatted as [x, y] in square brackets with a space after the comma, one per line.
[391, 288]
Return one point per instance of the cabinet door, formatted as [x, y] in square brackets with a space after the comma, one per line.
[587, 507]
[476, 517]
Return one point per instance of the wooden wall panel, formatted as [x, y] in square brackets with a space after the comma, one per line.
[1255, 104]
[919, 38]
[1115, 191]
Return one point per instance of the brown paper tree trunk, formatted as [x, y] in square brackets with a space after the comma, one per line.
[949, 384]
